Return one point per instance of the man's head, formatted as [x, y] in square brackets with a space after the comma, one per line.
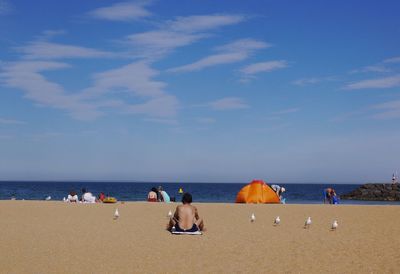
[186, 198]
[160, 188]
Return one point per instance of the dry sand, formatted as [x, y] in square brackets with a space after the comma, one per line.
[55, 237]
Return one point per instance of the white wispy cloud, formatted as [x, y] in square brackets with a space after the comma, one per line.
[180, 32]
[44, 50]
[313, 80]
[200, 23]
[6, 121]
[388, 110]
[307, 81]
[135, 79]
[263, 67]
[157, 43]
[392, 60]
[162, 106]
[373, 68]
[385, 82]
[25, 75]
[244, 45]
[212, 60]
[228, 103]
[250, 71]
[124, 11]
[230, 53]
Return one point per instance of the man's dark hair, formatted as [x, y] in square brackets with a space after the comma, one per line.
[186, 198]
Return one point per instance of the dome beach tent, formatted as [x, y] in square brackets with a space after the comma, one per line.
[257, 192]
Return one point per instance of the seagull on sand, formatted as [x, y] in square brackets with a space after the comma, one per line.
[277, 220]
[253, 217]
[308, 223]
[334, 225]
[116, 214]
[170, 214]
[48, 198]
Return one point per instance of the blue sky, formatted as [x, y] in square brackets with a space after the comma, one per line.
[185, 91]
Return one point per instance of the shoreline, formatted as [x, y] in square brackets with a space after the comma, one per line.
[315, 203]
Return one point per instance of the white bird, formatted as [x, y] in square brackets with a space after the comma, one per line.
[116, 214]
[170, 214]
[64, 199]
[48, 198]
[277, 220]
[253, 217]
[308, 223]
[334, 225]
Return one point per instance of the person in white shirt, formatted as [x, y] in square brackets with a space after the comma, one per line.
[72, 197]
[87, 196]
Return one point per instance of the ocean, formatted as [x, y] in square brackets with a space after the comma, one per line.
[201, 192]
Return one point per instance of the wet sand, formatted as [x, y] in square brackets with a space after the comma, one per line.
[55, 237]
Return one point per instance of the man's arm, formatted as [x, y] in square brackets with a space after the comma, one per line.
[196, 214]
[199, 222]
[173, 220]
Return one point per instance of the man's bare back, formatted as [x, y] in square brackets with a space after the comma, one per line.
[186, 216]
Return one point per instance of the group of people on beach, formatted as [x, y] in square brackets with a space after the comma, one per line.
[87, 197]
[159, 195]
[330, 196]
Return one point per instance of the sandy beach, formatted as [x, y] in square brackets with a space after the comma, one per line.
[55, 237]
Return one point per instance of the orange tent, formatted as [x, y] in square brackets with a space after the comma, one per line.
[257, 192]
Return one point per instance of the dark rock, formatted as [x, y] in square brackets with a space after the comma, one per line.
[374, 192]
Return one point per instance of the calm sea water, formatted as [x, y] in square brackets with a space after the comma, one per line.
[202, 192]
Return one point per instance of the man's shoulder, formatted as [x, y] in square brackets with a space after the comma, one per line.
[193, 207]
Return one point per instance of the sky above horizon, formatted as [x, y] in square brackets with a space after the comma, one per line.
[217, 91]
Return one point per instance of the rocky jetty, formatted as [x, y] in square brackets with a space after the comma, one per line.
[374, 192]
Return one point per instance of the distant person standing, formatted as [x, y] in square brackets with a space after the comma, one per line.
[330, 196]
[278, 190]
[394, 179]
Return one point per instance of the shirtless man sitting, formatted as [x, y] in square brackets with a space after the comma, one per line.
[186, 218]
